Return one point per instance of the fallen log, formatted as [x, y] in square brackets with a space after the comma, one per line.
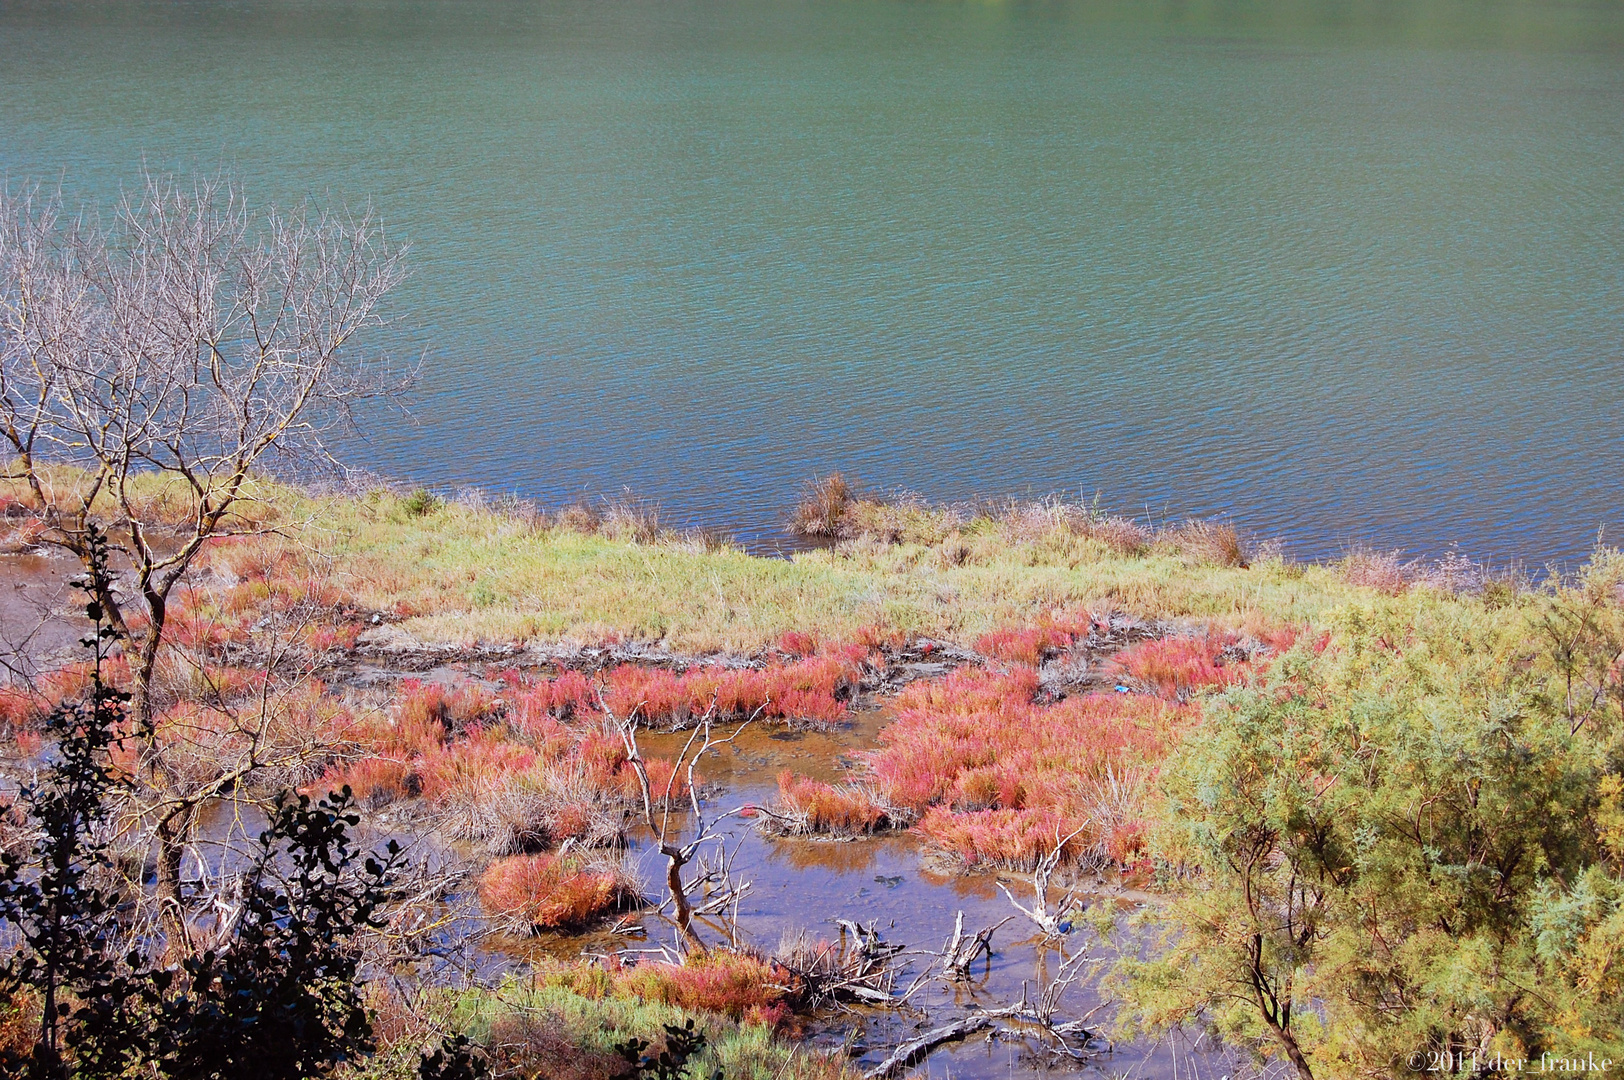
[915, 1050]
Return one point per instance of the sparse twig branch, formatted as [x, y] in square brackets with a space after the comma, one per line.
[678, 855]
[1052, 922]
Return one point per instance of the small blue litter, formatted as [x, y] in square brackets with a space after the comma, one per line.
[1123, 690]
[1065, 927]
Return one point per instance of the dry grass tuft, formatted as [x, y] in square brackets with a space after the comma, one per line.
[1384, 572]
[579, 517]
[538, 1045]
[1207, 543]
[629, 518]
[19, 1024]
[823, 506]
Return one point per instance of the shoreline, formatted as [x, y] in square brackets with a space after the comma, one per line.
[772, 532]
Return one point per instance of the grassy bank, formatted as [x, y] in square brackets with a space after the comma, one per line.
[465, 574]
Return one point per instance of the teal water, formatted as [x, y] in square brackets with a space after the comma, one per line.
[1347, 271]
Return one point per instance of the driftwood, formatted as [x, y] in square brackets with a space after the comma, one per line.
[1052, 923]
[960, 951]
[915, 1050]
[860, 967]
[722, 890]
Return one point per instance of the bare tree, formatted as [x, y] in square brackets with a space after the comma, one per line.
[150, 366]
[715, 876]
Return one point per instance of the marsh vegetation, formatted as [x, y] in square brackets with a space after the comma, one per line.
[1315, 791]
[1122, 789]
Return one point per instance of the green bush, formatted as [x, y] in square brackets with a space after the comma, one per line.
[421, 503]
[1404, 853]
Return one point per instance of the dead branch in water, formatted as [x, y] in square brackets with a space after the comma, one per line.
[860, 967]
[1051, 923]
[960, 951]
[916, 1050]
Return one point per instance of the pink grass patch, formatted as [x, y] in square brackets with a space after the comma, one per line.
[993, 773]
[374, 780]
[472, 765]
[547, 892]
[1016, 839]
[795, 643]
[666, 784]
[1177, 667]
[428, 703]
[1174, 667]
[824, 808]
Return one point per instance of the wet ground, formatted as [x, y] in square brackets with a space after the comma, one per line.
[802, 886]
[40, 623]
[913, 896]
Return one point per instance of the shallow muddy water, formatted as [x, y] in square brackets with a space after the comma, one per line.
[40, 618]
[892, 881]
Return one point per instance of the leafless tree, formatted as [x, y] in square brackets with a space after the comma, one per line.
[150, 366]
[657, 806]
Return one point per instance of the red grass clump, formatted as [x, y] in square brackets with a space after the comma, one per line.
[375, 780]
[665, 783]
[1177, 667]
[470, 766]
[451, 707]
[795, 643]
[1005, 837]
[462, 745]
[815, 807]
[341, 636]
[534, 702]
[546, 892]
[18, 711]
[735, 984]
[813, 688]
[1030, 644]
[997, 776]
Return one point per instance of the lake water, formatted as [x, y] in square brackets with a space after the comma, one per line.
[1346, 271]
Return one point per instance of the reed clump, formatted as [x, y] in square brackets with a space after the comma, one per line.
[823, 506]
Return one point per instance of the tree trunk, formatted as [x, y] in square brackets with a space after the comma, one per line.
[1293, 1051]
[146, 662]
[679, 897]
[1276, 1010]
[170, 838]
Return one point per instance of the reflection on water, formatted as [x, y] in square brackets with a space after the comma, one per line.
[1348, 271]
[801, 887]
